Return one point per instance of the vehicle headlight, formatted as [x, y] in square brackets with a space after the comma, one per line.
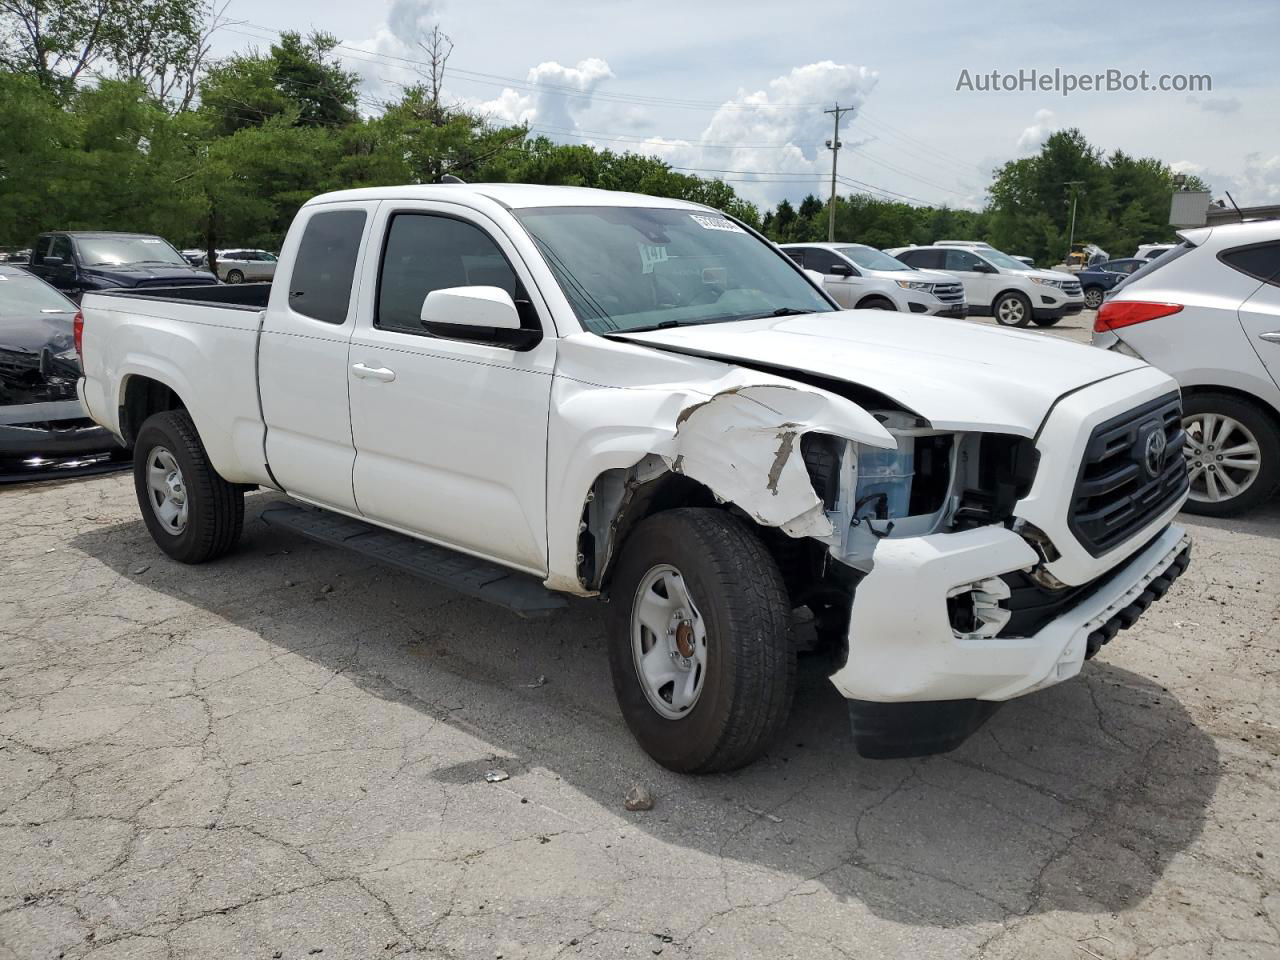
[1047, 283]
[915, 285]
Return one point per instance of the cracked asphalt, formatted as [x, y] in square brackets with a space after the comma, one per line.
[283, 755]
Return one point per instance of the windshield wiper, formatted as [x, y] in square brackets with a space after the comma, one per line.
[660, 325]
[780, 312]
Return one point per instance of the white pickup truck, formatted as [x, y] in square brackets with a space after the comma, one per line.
[529, 391]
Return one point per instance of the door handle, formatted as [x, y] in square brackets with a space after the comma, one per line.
[373, 373]
[1272, 337]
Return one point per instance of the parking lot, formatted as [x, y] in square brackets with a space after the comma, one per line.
[284, 754]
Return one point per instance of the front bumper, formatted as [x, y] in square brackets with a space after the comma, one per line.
[903, 649]
[52, 438]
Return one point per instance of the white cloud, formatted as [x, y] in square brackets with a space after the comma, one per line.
[559, 95]
[1034, 136]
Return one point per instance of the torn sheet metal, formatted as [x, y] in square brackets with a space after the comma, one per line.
[744, 444]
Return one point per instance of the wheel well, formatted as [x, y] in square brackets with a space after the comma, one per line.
[621, 499]
[1094, 286]
[1014, 290]
[1236, 394]
[144, 397]
[874, 298]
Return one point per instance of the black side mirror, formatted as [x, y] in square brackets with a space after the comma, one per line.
[52, 261]
[984, 268]
[840, 270]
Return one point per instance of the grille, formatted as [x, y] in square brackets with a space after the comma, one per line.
[1071, 287]
[1122, 485]
[949, 292]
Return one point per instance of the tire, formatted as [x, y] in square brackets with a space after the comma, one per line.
[1045, 321]
[235, 276]
[877, 303]
[209, 510]
[1011, 310]
[1252, 426]
[739, 603]
[1093, 297]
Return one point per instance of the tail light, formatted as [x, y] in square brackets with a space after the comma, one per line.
[77, 330]
[1115, 314]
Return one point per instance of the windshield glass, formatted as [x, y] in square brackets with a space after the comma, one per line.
[1002, 259]
[23, 296]
[869, 258]
[114, 251]
[633, 268]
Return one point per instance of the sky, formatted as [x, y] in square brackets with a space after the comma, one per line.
[737, 89]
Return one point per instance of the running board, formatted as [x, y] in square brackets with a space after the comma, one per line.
[518, 592]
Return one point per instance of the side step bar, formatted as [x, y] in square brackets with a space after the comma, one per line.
[518, 592]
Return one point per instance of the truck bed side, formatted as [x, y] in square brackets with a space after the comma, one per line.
[200, 343]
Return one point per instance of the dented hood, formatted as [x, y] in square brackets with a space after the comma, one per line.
[956, 374]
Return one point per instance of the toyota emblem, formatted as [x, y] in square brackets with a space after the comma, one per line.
[1155, 453]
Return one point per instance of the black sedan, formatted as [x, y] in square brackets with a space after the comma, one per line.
[44, 430]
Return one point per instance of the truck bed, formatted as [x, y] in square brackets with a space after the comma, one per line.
[251, 296]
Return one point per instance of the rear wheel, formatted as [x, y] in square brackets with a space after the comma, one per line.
[701, 659]
[1232, 453]
[1012, 310]
[191, 512]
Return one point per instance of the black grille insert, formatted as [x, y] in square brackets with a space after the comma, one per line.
[1129, 475]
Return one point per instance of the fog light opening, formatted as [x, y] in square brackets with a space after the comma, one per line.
[975, 610]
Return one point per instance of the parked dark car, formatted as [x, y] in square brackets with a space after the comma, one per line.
[1097, 280]
[44, 431]
[76, 261]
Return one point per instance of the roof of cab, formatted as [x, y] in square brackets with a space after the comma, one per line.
[510, 195]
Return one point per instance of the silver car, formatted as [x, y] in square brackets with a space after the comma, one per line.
[243, 265]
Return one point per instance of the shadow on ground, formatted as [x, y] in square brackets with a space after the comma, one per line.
[1074, 799]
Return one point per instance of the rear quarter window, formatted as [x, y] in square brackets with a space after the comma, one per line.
[1260, 261]
[325, 265]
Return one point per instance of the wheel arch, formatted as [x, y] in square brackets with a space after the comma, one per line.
[142, 395]
[1236, 393]
[871, 298]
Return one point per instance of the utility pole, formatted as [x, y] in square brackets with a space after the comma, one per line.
[1071, 235]
[834, 146]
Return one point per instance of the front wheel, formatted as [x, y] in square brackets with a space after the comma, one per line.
[191, 512]
[1045, 321]
[1232, 453]
[1012, 310]
[1093, 297]
[702, 663]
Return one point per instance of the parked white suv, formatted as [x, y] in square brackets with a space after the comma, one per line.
[859, 276]
[1208, 312]
[245, 266]
[527, 391]
[999, 286]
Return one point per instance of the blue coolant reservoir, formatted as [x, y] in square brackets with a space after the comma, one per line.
[887, 472]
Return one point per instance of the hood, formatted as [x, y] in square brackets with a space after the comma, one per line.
[1050, 274]
[37, 359]
[928, 276]
[958, 376]
[150, 274]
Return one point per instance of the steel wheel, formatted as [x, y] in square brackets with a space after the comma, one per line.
[1093, 298]
[668, 642]
[1223, 457]
[167, 492]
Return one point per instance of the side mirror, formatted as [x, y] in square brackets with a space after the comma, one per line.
[52, 261]
[841, 270]
[481, 314]
[984, 268]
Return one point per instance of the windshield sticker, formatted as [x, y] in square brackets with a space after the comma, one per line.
[650, 255]
[716, 223]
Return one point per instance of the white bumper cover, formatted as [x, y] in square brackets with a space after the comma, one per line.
[901, 644]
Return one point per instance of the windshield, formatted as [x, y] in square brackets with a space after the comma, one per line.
[23, 296]
[639, 268]
[1002, 259]
[869, 258]
[115, 251]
